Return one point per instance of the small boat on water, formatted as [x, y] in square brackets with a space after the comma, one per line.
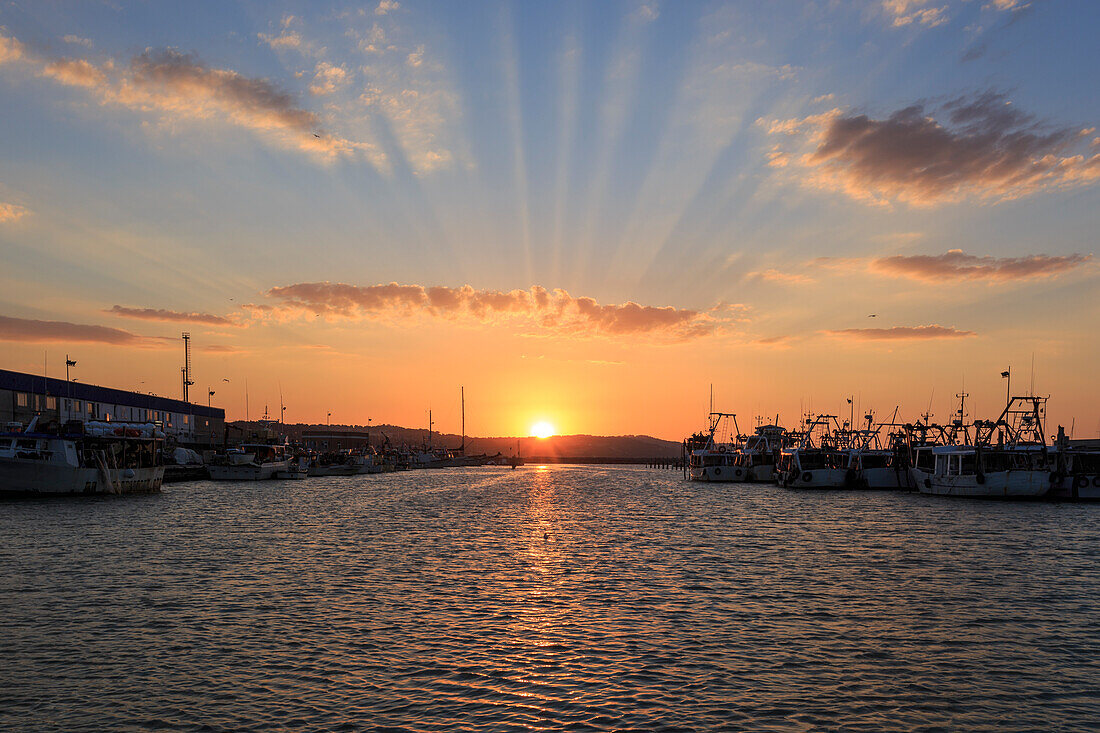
[712, 459]
[91, 458]
[759, 453]
[297, 468]
[249, 462]
[1019, 464]
[820, 460]
[873, 464]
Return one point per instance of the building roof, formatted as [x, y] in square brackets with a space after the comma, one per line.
[326, 433]
[36, 384]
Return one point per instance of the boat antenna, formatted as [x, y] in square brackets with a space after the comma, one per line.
[282, 407]
[1031, 392]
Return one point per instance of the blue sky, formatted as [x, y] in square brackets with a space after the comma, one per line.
[742, 162]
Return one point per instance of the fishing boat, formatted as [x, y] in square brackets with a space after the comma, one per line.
[1078, 471]
[93, 458]
[760, 453]
[297, 468]
[249, 462]
[713, 459]
[874, 463]
[820, 460]
[1017, 465]
[338, 463]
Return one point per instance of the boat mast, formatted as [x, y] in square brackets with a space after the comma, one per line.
[462, 392]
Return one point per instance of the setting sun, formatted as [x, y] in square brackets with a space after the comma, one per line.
[542, 430]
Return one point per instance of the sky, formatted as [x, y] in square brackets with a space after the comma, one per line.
[583, 213]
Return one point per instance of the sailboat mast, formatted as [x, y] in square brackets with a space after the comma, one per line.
[462, 392]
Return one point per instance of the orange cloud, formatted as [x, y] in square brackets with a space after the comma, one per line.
[901, 333]
[33, 331]
[11, 212]
[160, 314]
[955, 265]
[10, 49]
[548, 311]
[777, 276]
[904, 12]
[74, 72]
[986, 150]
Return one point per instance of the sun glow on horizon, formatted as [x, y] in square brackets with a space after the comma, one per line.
[542, 429]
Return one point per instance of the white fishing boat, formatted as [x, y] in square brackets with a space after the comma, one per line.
[249, 462]
[1018, 465]
[297, 468]
[872, 465]
[713, 459]
[108, 458]
[338, 463]
[760, 453]
[820, 460]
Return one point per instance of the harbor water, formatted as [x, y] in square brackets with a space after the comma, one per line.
[563, 597]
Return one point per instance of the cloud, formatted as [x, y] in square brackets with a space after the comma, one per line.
[955, 265]
[386, 6]
[1015, 5]
[286, 39]
[34, 331]
[10, 49]
[776, 276]
[986, 149]
[77, 40]
[74, 72]
[160, 314]
[541, 310]
[328, 78]
[902, 333]
[179, 86]
[11, 212]
[220, 349]
[906, 12]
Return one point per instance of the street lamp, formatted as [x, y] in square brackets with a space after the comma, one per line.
[209, 394]
[330, 419]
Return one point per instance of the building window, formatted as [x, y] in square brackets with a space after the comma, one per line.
[186, 419]
[38, 402]
[21, 399]
[51, 403]
[77, 407]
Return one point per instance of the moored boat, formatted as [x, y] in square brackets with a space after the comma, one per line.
[249, 462]
[711, 459]
[96, 458]
[1019, 465]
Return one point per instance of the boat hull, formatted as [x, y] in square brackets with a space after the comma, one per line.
[995, 485]
[246, 472]
[724, 474]
[884, 478]
[35, 478]
[761, 475]
[339, 470]
[817, 478]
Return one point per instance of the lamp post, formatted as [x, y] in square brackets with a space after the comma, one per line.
[209, 394]
[329, 420]
[68, 385]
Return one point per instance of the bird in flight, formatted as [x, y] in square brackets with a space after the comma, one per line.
[873, 315]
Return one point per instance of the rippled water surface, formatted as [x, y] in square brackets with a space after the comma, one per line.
[582, 598]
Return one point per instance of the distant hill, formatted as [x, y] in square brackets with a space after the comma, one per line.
[607, 447]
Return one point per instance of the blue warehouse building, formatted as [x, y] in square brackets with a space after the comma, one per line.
[22, 396]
